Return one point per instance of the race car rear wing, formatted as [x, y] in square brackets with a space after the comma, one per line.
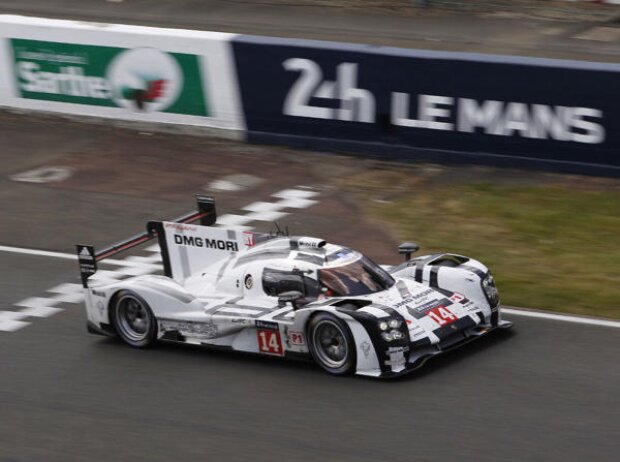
[88, 258]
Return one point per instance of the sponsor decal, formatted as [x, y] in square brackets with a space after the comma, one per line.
[396, 356]
[422, 310]
[86, 253]
[442, 315]
[414, 298]
[296, 338]
[180, 226]
[310, 242]
[86, 259]
[398, 349]
[249, 239]
[457, 298]
[341, 99]
[198, 330]
[266, 325]
[365, 348]
[403, 290]
[404, 302]
[132, 79]
[195, 241]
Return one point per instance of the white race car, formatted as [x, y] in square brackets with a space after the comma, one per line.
[294, 297]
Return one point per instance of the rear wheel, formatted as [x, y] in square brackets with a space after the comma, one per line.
[133, 319]
[331, 344]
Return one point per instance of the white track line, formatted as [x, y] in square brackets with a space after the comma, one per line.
[69, 256]
[512, 311]
[291, 198]
[11, 321]
[561, 317]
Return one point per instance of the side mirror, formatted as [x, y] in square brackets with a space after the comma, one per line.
[407, 248]
[290, 297]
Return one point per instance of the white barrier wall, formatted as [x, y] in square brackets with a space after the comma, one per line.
[121, 72]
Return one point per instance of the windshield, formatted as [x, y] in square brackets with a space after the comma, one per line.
[358, 278]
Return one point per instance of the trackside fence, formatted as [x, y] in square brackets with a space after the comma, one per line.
[429, 105]
[409, 105]
[129, 73]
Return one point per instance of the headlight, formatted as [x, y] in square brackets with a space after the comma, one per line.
[392, 335]
[490, 290]
[397, 335]
[390, 323]
[390, 330]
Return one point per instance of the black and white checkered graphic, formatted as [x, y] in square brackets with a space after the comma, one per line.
[148, 261]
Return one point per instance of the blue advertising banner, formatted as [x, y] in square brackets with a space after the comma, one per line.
[436, 106]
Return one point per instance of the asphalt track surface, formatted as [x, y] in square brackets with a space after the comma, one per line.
[546, 391]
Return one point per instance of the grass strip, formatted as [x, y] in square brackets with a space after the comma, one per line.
[550, 245]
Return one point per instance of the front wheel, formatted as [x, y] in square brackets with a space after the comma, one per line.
[133, 319]
[331, 344]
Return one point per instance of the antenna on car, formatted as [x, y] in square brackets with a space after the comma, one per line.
[279, 231]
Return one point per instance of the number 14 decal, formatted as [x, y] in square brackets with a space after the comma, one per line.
[442, 315]
[269, 342]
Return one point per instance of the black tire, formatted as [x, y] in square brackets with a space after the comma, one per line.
[133, 319]
[331, 344]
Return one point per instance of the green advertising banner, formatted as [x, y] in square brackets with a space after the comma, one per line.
[137, 79]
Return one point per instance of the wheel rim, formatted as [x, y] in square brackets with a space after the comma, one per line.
[133, 318]
[330, 344]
